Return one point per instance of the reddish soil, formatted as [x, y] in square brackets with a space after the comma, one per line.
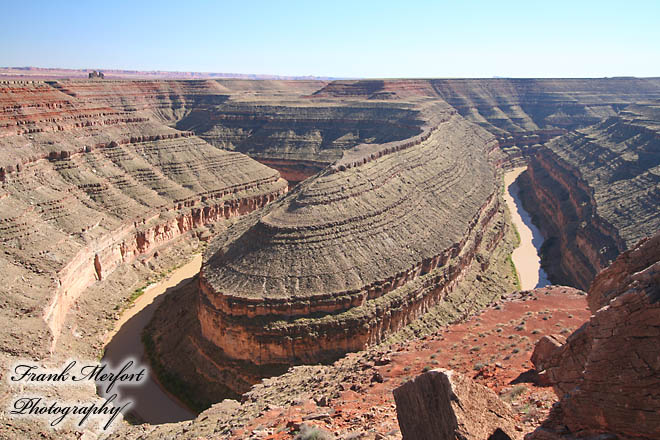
[493, 347]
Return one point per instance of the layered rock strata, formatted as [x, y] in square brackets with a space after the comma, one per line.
[445, 405]
[353, 254]
[88, 185]
[608, 372]
[302, 134]
[521, 113]
[595, 192]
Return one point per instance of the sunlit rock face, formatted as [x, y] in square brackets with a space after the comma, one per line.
[92, 179]
[355, 253]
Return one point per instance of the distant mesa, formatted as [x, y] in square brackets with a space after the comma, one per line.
[96, 75]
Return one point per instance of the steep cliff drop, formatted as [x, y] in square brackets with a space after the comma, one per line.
[90, 185]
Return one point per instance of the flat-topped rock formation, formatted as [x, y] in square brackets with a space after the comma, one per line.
[506, 106]
[521, 113]
[608, 372]
[595, 192]
[88, 184]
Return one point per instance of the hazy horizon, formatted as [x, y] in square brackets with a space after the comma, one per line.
[367, 39]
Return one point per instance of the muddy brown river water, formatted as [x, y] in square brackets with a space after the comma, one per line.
[151, 402]
[526, 255]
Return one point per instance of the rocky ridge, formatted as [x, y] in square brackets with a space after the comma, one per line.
[608, 371]
[521, 113]
[321, 290]
[595, 192]
[88, 185]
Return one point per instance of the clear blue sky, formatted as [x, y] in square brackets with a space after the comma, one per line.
[338, 38]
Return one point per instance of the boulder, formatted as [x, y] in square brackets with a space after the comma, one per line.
[442, 404]
[545, 349]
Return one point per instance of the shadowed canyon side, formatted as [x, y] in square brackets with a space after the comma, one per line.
[88, 185]
[595, 192]
[349, 256]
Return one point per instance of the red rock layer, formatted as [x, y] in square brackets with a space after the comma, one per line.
[608, 372]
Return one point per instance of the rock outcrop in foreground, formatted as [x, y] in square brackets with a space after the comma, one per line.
[595, 192]
[444, 405]
[608, 371]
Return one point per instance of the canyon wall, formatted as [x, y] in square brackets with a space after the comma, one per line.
[521, 113]
[595, 192]
[91, 179]
[396, 207]
[303, 135]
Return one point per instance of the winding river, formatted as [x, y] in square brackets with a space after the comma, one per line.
[526, 255]
[151, 403]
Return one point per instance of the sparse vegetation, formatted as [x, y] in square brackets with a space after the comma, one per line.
[479, 365]
[309, 432]
[135, 295]
[514, 272]
[513, 393]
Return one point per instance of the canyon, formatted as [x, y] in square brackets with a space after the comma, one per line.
[333, 216]
[596, 191]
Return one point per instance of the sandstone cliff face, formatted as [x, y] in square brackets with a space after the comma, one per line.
[302, 131]
[90, 183]
[608, 371]
[521, 113]
[595, 192]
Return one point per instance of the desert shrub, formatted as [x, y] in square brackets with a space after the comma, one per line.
[309, 432]
[514, 392]
[479, 365]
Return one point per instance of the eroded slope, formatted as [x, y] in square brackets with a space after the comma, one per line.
[90, 184]
[596, 191]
